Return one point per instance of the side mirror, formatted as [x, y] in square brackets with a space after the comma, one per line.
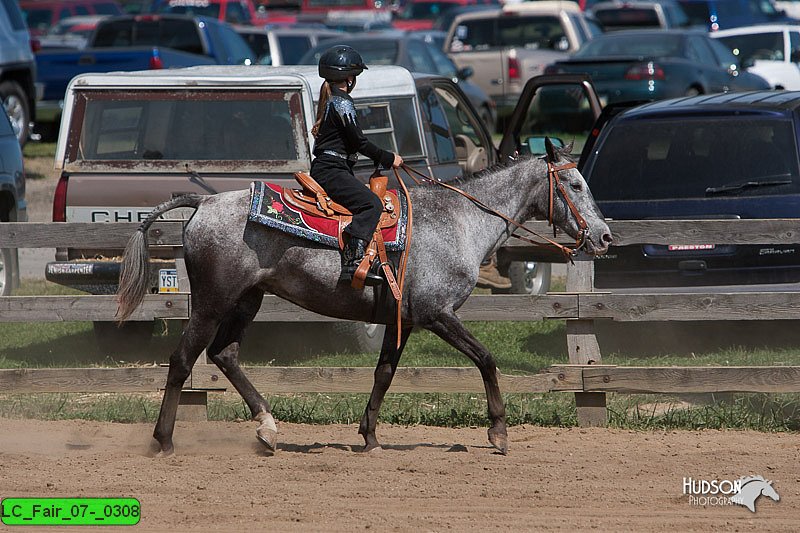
[465, 73]
[535, 145]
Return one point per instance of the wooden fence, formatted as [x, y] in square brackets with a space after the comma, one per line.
[583, 373]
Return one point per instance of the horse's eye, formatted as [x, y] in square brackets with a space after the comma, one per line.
[577, 186]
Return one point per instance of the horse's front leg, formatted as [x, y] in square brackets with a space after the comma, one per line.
[384, 372]
[449, 328]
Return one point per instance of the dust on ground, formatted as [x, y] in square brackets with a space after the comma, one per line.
[426, 478]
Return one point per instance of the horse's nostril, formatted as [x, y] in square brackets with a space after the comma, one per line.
[607, 238]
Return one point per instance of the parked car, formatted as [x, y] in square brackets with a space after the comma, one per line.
[412, 52]
[506, 47]
[770, 50]
[626, 15]
[13, 207]
[283, 46]
[230, 11]
[41, 15]
[135, 42]
[17, 70]
[716, 15]
[421, 14]
[71, 32]
[717, 156]
[656, 64]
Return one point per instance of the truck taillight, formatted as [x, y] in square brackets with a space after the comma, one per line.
[60, 200]
[513, 68]
[646, 71]
[155, 61]
[36, 46]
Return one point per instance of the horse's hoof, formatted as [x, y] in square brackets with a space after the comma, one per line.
[371, 448]
[499, 441]
[164, 453]
[267, 432]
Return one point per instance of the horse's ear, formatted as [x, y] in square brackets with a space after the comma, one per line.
[550, 149]
[568, 148]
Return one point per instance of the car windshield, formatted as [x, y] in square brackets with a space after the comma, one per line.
[526, 32]
[682, 158]
[627, 17]
[373, 52]
[756, 46]
[634, 44]
[38, 19]
[239, 126]
[293, 47]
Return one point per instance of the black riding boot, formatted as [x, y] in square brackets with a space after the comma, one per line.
[353, 253]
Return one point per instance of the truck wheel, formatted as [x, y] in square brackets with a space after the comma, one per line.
[6, 271]
[130, 338]
[16, 105]
[355, 337]
[527, 277]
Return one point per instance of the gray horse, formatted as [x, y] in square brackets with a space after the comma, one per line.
[231, 264]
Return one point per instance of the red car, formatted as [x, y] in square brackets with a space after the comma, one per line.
[420, 14]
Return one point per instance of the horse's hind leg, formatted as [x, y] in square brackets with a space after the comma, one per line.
[384, 372]
[224, 352]
[194, 339]
[449, 328]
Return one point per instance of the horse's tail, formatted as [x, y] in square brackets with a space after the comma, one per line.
[133, 275]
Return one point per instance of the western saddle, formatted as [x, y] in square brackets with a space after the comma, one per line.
[313, 199]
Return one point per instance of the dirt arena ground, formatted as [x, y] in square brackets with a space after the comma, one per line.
[425, 479]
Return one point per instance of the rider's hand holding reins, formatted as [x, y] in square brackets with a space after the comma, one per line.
[398, 161]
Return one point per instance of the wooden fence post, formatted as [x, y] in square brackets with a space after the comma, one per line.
[582, 343]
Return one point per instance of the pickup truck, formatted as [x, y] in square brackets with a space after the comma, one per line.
[120, 157]
[507, 46]
[130, 43]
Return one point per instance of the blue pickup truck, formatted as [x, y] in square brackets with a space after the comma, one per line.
[130, 43]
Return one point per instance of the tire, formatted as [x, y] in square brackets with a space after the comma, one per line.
[527, 277]
[6, 271]
[17, 109]
[355, 337]
[130, 338]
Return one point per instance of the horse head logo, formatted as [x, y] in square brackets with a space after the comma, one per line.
[752, 488]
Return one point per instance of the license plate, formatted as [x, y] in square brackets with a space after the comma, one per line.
[167, 280]
[690, 247]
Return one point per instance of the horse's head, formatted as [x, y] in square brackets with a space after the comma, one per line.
[569, 203]
[769, 491]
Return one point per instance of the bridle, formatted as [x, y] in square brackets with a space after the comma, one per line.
[554, 184]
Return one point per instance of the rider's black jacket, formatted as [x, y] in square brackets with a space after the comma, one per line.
[339, 132]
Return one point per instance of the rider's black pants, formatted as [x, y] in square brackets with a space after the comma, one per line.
[336, 177]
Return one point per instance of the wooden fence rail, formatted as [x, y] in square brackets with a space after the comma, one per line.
[580, 306]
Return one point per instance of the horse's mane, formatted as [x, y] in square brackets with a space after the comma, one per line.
[510, 162]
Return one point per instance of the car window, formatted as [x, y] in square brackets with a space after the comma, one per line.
[440, 130]
[476, 34]
[81, 10]
[236, 14]
[388, 124]
[178, 34]
[461, 122]
[725, 57]
[444, 65]
[579, 29]
[293, 47]
[627, 17]
[259, 44]
[39, 19]
[698, 50]
[193, 125]
[675, 158]
[749, 48]
[420, 58]
[238, 51]
[531, 32]
[620, 43]
[794, 45]
[107, 9]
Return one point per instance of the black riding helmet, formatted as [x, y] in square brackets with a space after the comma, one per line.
[339, 63]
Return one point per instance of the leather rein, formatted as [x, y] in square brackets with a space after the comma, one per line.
[554, 184]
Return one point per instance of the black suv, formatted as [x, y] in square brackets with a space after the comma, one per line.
[712, 156]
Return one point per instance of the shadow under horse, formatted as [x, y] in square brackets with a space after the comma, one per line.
[231, 264]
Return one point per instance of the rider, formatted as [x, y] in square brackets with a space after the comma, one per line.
[337, 140]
